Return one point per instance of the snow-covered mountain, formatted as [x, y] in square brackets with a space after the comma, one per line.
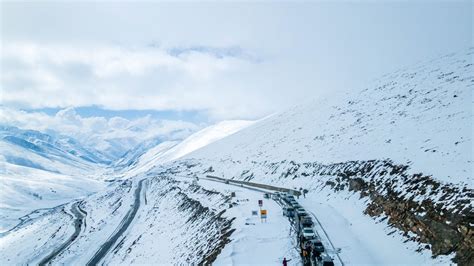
[402, 148]
[388, 171]
[34, 149]
[155, 152]
[420, 116]
[132, 156]
[41, 171]
[38, 170]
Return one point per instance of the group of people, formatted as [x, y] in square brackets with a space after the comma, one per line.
[308, 252]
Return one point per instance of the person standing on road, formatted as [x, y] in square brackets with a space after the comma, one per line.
[308, 250]
[315, 254]
[304, 254]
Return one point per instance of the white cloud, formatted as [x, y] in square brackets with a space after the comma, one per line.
[231, 60]
[113, 135]
[38, 76]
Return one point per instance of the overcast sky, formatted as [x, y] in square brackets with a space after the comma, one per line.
[205, 62]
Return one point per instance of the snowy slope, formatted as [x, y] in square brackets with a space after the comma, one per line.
[388, 170]
[25, 189]
[131, 156]
[38, 170]
[205, 137]
[421, 117]
[168, 151]
[176, 222]
[34, 149]
[402, 147]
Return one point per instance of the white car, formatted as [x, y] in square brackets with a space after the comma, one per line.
[308, 233]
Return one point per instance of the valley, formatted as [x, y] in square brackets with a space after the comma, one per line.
[387, 175]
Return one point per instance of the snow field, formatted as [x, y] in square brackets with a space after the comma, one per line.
[255, 242]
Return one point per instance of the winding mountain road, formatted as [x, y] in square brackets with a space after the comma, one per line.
[79, 221]
[124, 224]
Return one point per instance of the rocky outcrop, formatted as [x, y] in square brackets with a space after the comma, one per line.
[206, 230]
[423, 208]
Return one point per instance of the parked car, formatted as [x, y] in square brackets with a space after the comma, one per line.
[288, 212]
[292, 204]
[266, 195]
[307, 234]
[317, 245]
[289, 198]
[306, 222]
[327, 260]
[275, 196]
[301, 213]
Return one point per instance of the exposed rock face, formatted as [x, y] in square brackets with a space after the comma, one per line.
[443, 223]
[214, 241]
[206, 231]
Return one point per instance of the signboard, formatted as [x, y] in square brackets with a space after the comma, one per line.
[263, 214]
[260, 202]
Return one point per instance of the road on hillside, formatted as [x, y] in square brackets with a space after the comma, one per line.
[79, 221]
[265, 188]
[124, 224]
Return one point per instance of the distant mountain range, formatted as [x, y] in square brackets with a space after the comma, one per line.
[391, 163]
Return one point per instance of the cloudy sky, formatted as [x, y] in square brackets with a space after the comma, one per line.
[198, 63]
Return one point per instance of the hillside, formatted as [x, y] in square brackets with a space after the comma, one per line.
[388, 170]
[58, 154]
[40, 171]
[420, 117]
[401, 147]
[155, 152]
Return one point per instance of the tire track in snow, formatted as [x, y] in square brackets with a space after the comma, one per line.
[124, 224]
[78, 222]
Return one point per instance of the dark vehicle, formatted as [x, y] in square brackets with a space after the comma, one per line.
[301, 214]
[293, 204]
[317, 245]
[266, 195]
[289, 198]
[298, 208]
[327, 260]
[306, 222]
[289, 212]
